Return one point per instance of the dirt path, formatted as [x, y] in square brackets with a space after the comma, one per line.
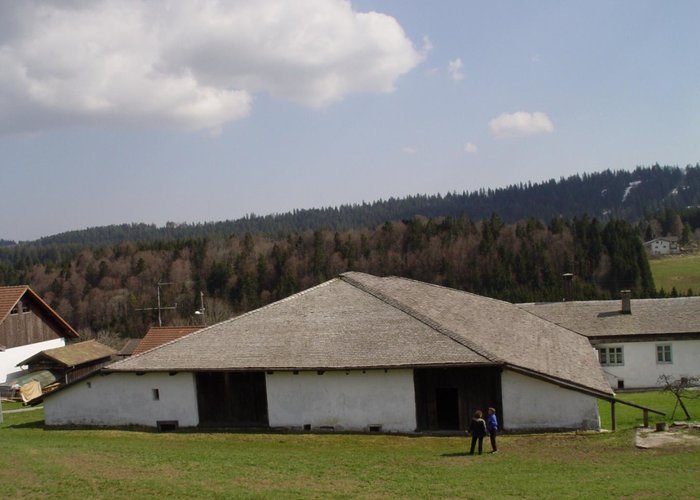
[679, 434]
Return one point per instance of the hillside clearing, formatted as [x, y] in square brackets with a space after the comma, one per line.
[681, 271]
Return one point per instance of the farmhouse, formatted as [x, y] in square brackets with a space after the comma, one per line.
[637, 340]
[667, 245]
[27, 326]
[356, 353]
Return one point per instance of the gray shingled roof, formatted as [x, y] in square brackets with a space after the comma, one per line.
[361, 321]
[603, 318]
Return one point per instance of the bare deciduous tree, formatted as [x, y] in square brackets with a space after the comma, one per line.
[680, 389]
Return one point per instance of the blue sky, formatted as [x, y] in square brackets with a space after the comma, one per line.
[192, 111]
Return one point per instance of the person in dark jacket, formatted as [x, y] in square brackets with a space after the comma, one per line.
[477, 428]
[492, 427]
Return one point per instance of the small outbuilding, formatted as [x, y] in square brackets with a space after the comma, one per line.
[71, 362]
[357, 353]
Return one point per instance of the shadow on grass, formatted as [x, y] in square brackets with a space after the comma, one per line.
[228, 430]
[35, 424]
[460, 454]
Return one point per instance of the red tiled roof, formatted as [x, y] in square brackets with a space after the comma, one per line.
[159, 335]
[10, 295]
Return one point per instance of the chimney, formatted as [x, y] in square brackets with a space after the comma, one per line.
[626, 301]
[568, 289]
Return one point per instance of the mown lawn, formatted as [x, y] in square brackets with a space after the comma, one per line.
[682, 271]
[41, 463]
[628, 417]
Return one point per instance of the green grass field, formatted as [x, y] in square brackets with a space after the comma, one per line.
[628, 417]
[681, 271]
[42, 463]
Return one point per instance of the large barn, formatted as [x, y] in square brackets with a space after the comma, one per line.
[357, 353]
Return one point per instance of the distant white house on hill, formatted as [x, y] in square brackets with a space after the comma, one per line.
[637, 340]
[357, 353]
[667, 245]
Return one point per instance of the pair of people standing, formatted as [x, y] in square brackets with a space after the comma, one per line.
[480, 428]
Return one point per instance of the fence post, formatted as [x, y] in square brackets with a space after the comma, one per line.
[612, 415]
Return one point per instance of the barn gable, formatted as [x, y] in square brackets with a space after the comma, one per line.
[27, 326]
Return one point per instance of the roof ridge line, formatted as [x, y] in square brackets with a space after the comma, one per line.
[533, 313]
[426, 320]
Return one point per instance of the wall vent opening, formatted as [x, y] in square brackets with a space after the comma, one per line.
[375, 427]
[167, 425]
[307, 427]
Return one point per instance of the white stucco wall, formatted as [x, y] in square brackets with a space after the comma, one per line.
[125, 399]
[640, 368]
[532, 404]
[350, 401]
[10, 357]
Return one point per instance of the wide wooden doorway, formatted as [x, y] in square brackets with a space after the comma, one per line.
[446, 398]
[232, 399]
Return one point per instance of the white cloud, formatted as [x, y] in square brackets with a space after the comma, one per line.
[409, 150]
[427, 46]
[520, 124]
[193, 64]
[471, 148]
[454, 68]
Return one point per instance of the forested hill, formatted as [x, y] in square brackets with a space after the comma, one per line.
[604, 195]
[112, 288]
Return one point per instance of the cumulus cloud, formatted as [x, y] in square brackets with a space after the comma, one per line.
[471, 148]
[455, 69]
[409, 150]
[520, 124]
[192, 63]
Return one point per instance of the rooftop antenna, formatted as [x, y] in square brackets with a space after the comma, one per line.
[201, 310]
[160, 307]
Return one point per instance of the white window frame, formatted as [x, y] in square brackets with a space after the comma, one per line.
[611, 356]
[664, 350]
